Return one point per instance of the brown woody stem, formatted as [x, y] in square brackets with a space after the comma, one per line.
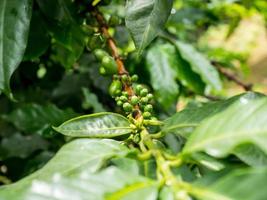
[232, 77]
[115, 54]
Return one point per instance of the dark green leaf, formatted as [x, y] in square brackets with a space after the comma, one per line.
[21, 146]
[39, 39]
[145, 19]
[33, 118]
[14, 27]
[200, 65]
[103, 125]
[161, 65]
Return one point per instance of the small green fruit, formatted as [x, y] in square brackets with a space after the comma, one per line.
[144, 100]
[138, 88]
[115, 88]
[134, 100]
[134, 78]
[124, 93]
[123, 98]
[148, 108]
[100, 54]
[146, 115]
[109, 64]
[114, 20]
[150, 96]
[124, 78]
[127, 107]
[143, 92]
[119, 103]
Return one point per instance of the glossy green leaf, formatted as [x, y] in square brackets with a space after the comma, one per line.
[71, 160]
[200, 65]
[244, 122]
[161, 65]
[99, 125]
[183, 123]
[236, 186]
[145, 19]
[34, 118]
[14, 27]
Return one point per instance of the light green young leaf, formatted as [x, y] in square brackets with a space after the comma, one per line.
[14, 27]
[145, 19]
[161, 65]
[99, 125]
[200, 64]
[72, 159]
[244, 122]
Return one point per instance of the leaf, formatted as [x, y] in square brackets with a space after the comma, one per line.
[39, 38]
[236, 186]
[89, 186]
[91, 101]
[71, 160]
[98, 125]
[21, 146]
[200, 65]
[34, 118]
[183, 123]
[14, 27]
[161, 65]
[62, 23]
[145, 19]
[244, 122]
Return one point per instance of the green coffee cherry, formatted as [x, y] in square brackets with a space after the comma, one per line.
[144, 100]
[100, 54]
[143, 92]
[138, 88]
[123, 98]
[134, 100]
[134, 78]
[119, 103]
[109, 64]
[115, 88]
[127, 107]
[124, 78]
[146, 115]
[124, 93]
[150, 96]
[148, 108]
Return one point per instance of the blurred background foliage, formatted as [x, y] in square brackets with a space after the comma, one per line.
[59, 77]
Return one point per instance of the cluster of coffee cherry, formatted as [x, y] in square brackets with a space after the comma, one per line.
[140, 99]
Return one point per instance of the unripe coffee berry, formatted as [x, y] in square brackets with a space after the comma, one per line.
[143, 92]
[138, 88]
[149, 96]
[127, 107]
[148, 108]
[119, 103]
[123, 98]
[134, 78]
[146, 115]
[134, 100]
[124, 78]
[144, 100]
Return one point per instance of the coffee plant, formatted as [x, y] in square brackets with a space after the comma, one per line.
[118, 100]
